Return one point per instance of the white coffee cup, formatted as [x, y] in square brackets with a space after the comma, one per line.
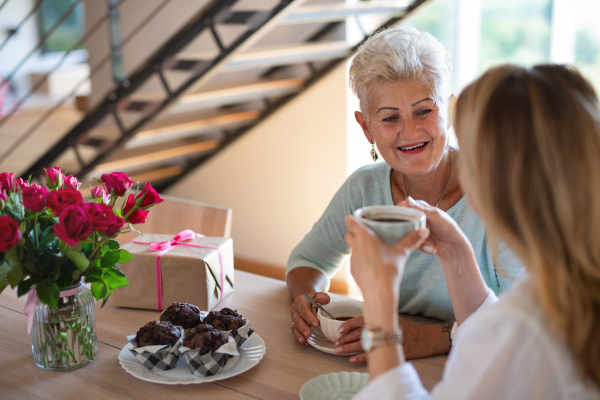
[391, 223]
[346, 308]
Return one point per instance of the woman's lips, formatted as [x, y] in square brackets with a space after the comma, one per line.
[417, 150]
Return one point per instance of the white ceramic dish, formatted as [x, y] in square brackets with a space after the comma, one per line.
[337, 385]
[348, 308]
[321, 343]
[250, 354]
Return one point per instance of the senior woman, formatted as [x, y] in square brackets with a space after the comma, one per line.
[401, 77]
[531, 144]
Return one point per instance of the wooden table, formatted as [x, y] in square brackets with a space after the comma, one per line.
[287, 365]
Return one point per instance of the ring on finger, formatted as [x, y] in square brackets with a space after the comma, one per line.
[292, 325]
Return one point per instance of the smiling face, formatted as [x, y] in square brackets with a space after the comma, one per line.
[409, 128]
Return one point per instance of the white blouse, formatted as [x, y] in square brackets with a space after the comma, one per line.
[502, 351]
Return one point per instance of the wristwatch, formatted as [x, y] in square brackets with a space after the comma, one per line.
[371, 339]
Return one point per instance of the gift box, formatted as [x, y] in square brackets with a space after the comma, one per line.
[185, 268]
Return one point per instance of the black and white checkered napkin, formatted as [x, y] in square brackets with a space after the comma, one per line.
[156, 358]
[204, 362]
[240, 335]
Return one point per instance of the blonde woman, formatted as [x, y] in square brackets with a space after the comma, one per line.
[531, 154]
[402, 79]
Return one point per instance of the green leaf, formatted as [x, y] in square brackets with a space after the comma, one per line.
[64, 278]
[104, 250]
[5, 268]
[114, 280]
[14, 206]
[125, 256]
[12, 257]
[47, 236]
[106, 298]
[110, 259]
[3, 286]
[99, 290]
[24, 286]
[44, 260]
[96, 274]
[79, 259]
[15, 277]
[47, 291]
[87, 248]
[113, 244]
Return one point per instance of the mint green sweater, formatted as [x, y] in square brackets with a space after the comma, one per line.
[423, 289]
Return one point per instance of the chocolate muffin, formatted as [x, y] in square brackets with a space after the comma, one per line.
[154, 333]
[204, 336]
[182, 314]
[225, 320]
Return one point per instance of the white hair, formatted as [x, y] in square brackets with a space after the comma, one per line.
[396, 54]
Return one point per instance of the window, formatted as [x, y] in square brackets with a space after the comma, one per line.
[70, 30]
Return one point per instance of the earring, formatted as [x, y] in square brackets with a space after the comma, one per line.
[374, 154]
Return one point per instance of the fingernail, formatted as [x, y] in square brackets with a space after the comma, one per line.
[429, 249]
[422, 233]
[315, 324]
[341, 330]
[352, 359]
[301, 340]
[337, 342]
[338, 349]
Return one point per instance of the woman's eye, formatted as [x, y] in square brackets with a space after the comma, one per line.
[422, 113]
[393, 118]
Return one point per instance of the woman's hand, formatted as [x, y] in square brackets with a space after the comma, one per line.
[303, 317]
[445, 233]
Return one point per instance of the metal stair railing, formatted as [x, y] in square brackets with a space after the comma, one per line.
[215, 13]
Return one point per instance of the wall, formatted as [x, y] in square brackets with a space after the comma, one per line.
[280, 176]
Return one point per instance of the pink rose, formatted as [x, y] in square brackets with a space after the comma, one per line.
[100, 215]
[22, 183]
[136, 217]
[148, 197]
[54, 178]
[115, 227]
[116, 183]
[71, 182]
[3, 195]
[75, 225]
[99, 193]
[7, 180]
[34, 199]
[59, 200]
[9, 233]
[35, 185]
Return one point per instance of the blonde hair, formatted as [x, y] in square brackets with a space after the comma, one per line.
[398, 54]
[531, 150]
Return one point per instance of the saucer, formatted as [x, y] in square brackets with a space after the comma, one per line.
[321, 343]
[337, 385]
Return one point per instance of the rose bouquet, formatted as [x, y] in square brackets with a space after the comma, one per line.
[51, 241]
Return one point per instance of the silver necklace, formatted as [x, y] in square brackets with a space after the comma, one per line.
[447, 182]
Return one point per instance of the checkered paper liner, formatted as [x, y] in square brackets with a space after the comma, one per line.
[240, 335]
[159, 357]
[204, 362]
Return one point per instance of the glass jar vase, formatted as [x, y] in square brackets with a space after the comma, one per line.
[65, 338]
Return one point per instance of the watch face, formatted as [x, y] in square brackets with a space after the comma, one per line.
[366, 339]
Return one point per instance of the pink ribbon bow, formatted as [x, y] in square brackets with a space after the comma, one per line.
[33, 300]
[169, 245]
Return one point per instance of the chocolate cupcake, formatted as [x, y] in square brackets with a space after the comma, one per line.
[231, 323]
[155, 333]
[204, 336]
[225, 320]
[182, 314]
[207, 350]
[156, 345]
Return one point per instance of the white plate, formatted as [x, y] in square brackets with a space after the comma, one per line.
[320, 342]
[251, 353]
[337, 385]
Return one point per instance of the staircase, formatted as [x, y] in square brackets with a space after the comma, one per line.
[183, 106]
